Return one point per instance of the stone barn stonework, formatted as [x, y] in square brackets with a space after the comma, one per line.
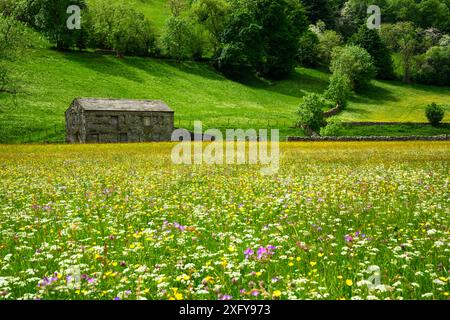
[107, 121]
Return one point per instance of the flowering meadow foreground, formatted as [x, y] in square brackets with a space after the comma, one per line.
[123, 222]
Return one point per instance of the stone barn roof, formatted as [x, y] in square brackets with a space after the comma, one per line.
[91, 104]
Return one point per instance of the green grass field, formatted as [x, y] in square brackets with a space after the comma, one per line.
[51, 80]
[123, 222]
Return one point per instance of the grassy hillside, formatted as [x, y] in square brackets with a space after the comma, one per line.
[51, 80]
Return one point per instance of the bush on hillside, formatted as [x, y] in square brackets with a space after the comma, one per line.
[310, 112]
[354, 62]
[333, 128]
[339, 89]
[213, 15]
[12, 36]
[50, 18]
[120, 28]
[434, 67]
[328, 40]
[370, 40]
[181, 40]
[307, 54]
[434, 113]
[261, 36]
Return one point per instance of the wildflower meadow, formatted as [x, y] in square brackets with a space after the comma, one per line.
[367, 220]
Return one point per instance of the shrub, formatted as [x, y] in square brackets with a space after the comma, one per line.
[403, 37]
[333, 128]
[339, 89]
[180, 39]
[307, 54]
[261, 36]
[50, 18]
[445, 40]
[434, 67]
[310, 112]
[213, 15]
[120, 28]
[354, 62]
[434, 113]
[370, 40]
[328, 40]
[12, 40]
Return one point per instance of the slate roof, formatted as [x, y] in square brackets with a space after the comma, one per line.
[92, 104]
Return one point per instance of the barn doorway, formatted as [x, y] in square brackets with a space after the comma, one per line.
[123, 137]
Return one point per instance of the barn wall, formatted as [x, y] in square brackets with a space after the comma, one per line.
[75, 130]
[123, 126]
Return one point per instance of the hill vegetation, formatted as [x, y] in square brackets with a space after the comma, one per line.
[240, 83]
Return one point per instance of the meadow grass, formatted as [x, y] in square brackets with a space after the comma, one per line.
[406, 129]
[51, 80]
[122, 222]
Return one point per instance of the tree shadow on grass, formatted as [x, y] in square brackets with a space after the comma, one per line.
[104, 64]
[165, 68]
[419, 86]
[373, 94]
[295, 85]
[356, 111]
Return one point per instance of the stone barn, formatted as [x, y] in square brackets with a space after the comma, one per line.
[107, 120]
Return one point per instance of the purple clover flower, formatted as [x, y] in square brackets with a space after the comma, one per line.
[261, 252]
[248, 252]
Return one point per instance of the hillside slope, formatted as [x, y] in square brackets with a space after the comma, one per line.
[51, 80]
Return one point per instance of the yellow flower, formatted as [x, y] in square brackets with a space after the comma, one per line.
[276, 294]
[349, 282]
[290, 264]
[313, 263]
[231, 249]
[320, 254]
[178, 296]
[160, 280]
[208, 279]
[258, 273]
[114, 264]
[298, 259]
[132, 246]
[339, 277]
